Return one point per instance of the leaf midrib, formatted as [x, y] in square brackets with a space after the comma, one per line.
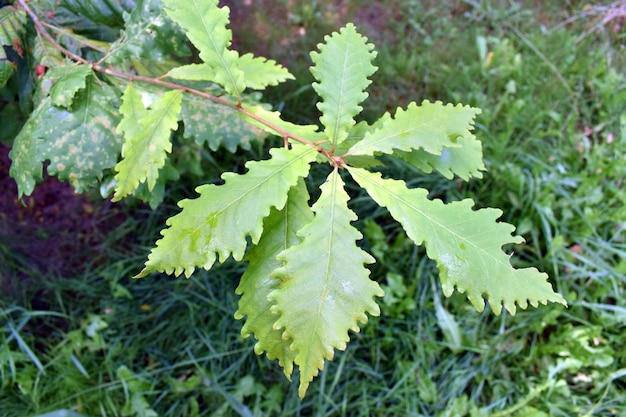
[431, 219]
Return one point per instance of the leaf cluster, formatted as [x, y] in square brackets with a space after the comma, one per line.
[307, 283]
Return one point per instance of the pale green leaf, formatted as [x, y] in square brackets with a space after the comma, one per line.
[67, 80]
[324, 288]
[220, 220]
[262, 72]
[342, 68]
[308, 132]
[155, 196]
[79, 145]
[144, 150]
[356, 134]
[132, 110]
[259, 72]
[279, 233]
[193, 72]
[466, 244]
[205, 24]
[448, 326]
[465, 161]
[216, 125]
[430, 126]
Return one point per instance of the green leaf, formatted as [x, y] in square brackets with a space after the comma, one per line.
[308, 132]
[216, 125]
[79, 145]
[342, 68]
[193, 72]
[67, 80]
[148, 33]
[6, 68]
[26, 152]
[261, 72]
[324, 288]
[155, 196]
[132, 110]
[145, 147]
[108, 13]
[466, 244]
[465, 161]
[219, 221]
[280, 229]
[430, 126]
[12, 24]
[205, 24]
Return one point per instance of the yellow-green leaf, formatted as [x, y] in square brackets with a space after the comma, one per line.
[279, 233]
[324, 288]
[205, 25]
[147, 136]
[430, 126]
[465, 243]
[219, 221]
[342, 68]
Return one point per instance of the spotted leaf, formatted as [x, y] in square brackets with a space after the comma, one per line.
[79, 144]
[215, 125]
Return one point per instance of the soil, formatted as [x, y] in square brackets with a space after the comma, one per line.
[54, 231]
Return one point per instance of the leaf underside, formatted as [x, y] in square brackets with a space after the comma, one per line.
[218, 222]
[324, 288]
[465, 161]
[256, 284]
[466, 244]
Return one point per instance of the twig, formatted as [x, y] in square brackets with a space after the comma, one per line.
[238, 107]
[41, 30]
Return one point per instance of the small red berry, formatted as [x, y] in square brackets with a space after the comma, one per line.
[40, 70]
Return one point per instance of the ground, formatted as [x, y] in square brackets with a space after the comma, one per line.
[54, 231]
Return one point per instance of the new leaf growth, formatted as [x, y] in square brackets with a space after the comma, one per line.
[307, 283]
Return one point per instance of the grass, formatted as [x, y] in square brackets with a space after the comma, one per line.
[554, 138]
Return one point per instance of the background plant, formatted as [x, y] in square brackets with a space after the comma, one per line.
[419, 269]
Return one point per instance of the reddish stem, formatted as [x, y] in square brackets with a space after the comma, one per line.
[286, 135]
